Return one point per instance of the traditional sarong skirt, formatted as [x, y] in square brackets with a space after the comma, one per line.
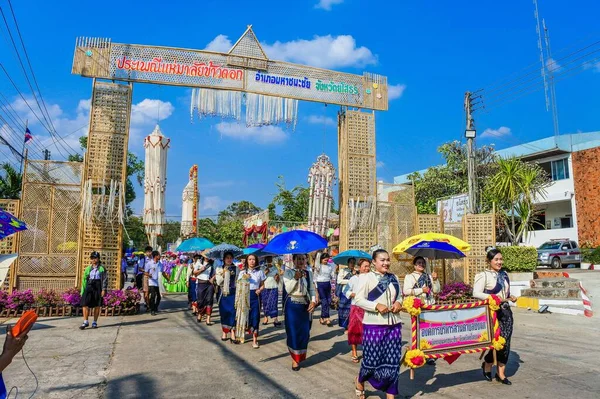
[227, 311]
[192, 294]
[380, 365]
[324, 289]
[505, 321]
[344, 311]
[92, 295]
[270, 302]
[254, 314]
[205, 292]
[355, 325]
[297, 329]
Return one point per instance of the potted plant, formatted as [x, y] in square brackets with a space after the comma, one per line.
[591, 256]
[72, 300]
[455, 292]
[114, 300]
[18, 301]
[132, 301]
[3, 299]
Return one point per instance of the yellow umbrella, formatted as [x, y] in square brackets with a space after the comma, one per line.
[409, 242]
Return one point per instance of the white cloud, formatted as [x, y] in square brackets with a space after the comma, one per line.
[262, 134]
[212, 203]
[395, 91]
[500, 132]
[592, 65]
[380, 164]
[220, 44]
[326, 4]
[321, 120]
[552, 65]
[143, 117]
[320, 51]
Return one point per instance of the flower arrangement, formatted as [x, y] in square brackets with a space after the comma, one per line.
[115, 298]
[499, 343]
[494, 302]
[483, 337]
[72, 297]
[3, 299]
[457, 291]
[132, 297]
[46, 298]
[424, 344]
[412, 305]
[414, 358]
[20, 299]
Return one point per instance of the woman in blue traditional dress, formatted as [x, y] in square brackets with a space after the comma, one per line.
[343, 277]
[226, 277]
[204, 271]
[299, 305]
[256, 278]
[324, 273]
[495, 281]
[270, 293]
[380, 296]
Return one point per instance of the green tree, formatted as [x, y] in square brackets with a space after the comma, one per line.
[134, 226]
[294, 203]
[171, 231]
[514, 188]
[451, 178]
[208, 229]
[239, 211]
[10, 182]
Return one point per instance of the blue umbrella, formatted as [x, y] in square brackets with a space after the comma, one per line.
[218, 251]
[435, 250]
[295, 242]
[256, 251]
[195, 244]
[343, 257]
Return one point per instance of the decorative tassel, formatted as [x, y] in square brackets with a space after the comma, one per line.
[226, 278]
[242, 306]
[222, 103]
[268, 110]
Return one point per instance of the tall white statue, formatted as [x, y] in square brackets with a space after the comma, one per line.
[189, 206]
[155, 184]
[321, 177]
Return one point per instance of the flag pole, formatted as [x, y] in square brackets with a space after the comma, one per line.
[23, 155]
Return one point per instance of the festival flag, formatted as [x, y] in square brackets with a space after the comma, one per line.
[28, 135]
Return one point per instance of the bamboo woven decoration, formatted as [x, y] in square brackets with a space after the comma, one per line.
[50, 207]
[480, 232]
[358, 189]
[104, 178]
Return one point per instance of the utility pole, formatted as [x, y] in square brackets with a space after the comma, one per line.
[470, 134]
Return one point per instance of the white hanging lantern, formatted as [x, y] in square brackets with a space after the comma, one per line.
[155, 184]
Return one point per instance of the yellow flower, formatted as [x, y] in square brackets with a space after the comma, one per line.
[414, 358]
[499, 343]
[483, 337]
[424, 344]
[408, 304]
[494, 302]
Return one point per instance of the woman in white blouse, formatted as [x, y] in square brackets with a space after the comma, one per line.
[256, 279]
[324, 273]
[495, 281]
[381, 298]
[299, 304]
[270, 294]
[421, 284]
[355, 324]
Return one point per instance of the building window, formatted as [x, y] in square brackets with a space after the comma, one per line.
[560, 169]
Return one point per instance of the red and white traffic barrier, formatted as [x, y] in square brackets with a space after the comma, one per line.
[587, 304]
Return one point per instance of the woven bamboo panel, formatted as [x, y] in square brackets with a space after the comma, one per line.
[8, 245]
[106, 162]
[428, 223]
[480, 232]
[50, 207]
[35, 283]
[357, 180]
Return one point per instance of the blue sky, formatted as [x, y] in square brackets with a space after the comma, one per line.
[431, 52]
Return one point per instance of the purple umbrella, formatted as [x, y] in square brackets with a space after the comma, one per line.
[257, 245]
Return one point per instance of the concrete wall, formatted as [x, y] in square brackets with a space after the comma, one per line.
[586, 176]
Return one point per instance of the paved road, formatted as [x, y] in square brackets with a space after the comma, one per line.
[172, 356]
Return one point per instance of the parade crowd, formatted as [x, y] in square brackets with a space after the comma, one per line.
[367, 296]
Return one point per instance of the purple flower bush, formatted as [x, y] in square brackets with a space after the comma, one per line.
[132, 297]
[47, 298]
[72, 297]
[20, 299]
[115, 298]
[457, 291]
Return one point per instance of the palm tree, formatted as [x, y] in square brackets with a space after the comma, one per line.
[10, 182]
[514, 188]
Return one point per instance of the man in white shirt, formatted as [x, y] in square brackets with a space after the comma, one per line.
[154, 268]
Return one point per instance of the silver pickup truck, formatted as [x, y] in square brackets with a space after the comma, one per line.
[556, 253]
